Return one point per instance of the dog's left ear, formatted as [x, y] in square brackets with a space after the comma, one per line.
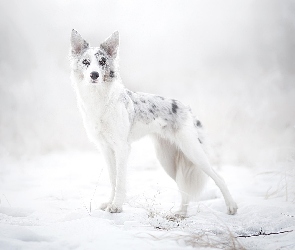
[111, 44]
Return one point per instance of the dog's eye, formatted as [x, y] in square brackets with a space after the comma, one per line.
[86, 62]
[102, 61]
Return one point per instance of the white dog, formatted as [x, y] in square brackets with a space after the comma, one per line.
[114, 117]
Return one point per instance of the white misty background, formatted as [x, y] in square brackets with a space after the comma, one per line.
[233, 62]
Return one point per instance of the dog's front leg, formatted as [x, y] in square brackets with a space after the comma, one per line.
[109, 156]
[121, 156]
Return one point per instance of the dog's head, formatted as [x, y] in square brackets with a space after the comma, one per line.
[94, 65]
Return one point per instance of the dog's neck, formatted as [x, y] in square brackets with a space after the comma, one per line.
[98, 95]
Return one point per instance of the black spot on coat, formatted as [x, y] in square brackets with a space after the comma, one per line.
[174, 107]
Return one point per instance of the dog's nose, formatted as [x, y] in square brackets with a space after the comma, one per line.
[94, 75]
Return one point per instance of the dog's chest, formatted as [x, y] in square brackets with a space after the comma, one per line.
[98, 115]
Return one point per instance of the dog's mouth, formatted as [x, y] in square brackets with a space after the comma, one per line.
[94, 81]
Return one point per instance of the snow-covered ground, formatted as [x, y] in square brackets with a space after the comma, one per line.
[52, 202]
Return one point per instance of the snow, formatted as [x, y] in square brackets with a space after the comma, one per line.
[52, 202]
[231, 61]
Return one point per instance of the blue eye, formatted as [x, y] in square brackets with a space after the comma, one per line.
[86, 62]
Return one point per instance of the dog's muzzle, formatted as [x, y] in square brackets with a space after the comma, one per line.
[94, 75]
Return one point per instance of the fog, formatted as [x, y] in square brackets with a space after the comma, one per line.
[231, 61]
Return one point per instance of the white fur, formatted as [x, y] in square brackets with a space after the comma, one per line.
[114, 117]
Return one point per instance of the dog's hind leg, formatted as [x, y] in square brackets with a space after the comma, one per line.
[187, 140]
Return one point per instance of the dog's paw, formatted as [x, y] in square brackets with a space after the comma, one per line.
[112, 208]
[103, 206]
[232, 208]
[176, 216]
[181, 213]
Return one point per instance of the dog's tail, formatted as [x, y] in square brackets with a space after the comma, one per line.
[201, 134]
[190, 178]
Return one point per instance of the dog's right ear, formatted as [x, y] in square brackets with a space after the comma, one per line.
[78, 43]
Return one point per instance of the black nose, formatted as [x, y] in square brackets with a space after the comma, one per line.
[94, 75]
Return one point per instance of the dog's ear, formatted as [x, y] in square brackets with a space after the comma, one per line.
[111, 44]
[78, 43]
